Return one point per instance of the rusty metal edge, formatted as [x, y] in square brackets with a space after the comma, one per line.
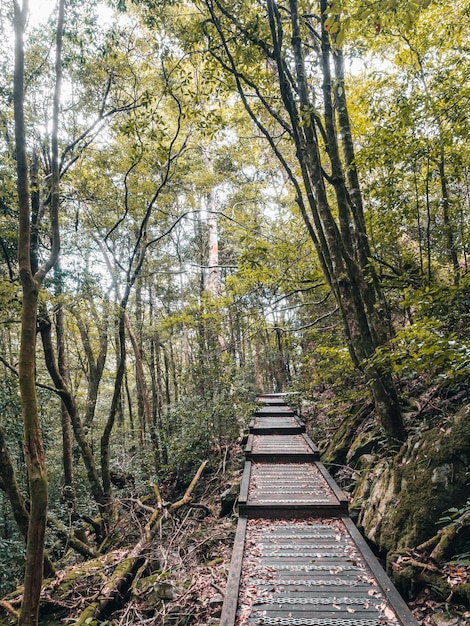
[229, 607]
[339, 493]
[398, 604]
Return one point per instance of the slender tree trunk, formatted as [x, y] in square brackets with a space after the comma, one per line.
[418, 221]
[115, 402]
[34, 450]
[95, 365]
[69, 401]
[428, 225]
[166, 363]
[157, 393]
[67, 453]
[449, 231]
[17, 502]
[140, 377]
[129, 405]
[258, 378]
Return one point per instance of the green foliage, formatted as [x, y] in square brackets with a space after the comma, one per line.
[12, 554]
[436, 344]
[135, 74]
[199, 429]
[450, 304]
[340, 17]
[331, 366]
[457, 518]
[10, 416]
[453, 515]
[425, 348]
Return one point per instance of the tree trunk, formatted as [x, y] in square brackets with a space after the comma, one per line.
[18, 506]
[142, 389]
[157, 396]
[67, 453]
[34, 450]
[69, 401]
[448, 228]
[113, 411]
[337, 228]
[95, 365]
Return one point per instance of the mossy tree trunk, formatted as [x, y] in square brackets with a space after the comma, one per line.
[9, 484]
[67, 437]
[68, 400]
[31, 283]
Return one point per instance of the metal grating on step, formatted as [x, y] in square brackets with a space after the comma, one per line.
[272, 399]
[275, 410]
[289, 483]
[275, 589]
[274, 448]
[288, 424]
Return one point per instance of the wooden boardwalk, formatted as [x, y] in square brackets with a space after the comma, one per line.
[298, 559]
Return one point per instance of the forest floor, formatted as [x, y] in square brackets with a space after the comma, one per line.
[198, 552]
[195, 559]
[180, 581]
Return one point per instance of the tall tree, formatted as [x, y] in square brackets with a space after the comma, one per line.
[31, 283]
[286, 42]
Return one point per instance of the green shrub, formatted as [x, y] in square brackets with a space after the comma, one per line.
[426, 348]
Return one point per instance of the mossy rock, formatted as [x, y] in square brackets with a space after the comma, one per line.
[405, 496]
[336, 450]
[228, 499]
[364, 444]
[462, 593]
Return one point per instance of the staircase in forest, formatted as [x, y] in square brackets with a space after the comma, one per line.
[298, 559]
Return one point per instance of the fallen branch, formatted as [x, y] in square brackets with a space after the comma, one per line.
[10, 608]
[131, 566]
[70, 538]
[188, 493]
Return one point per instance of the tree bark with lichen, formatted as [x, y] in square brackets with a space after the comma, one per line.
[31, 281]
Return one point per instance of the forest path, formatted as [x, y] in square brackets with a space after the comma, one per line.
[298, 559]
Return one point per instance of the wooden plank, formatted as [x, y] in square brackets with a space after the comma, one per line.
[339, 493]
[245, 483]
[229, 607]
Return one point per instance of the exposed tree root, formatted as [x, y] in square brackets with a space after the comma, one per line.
[440, 546]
